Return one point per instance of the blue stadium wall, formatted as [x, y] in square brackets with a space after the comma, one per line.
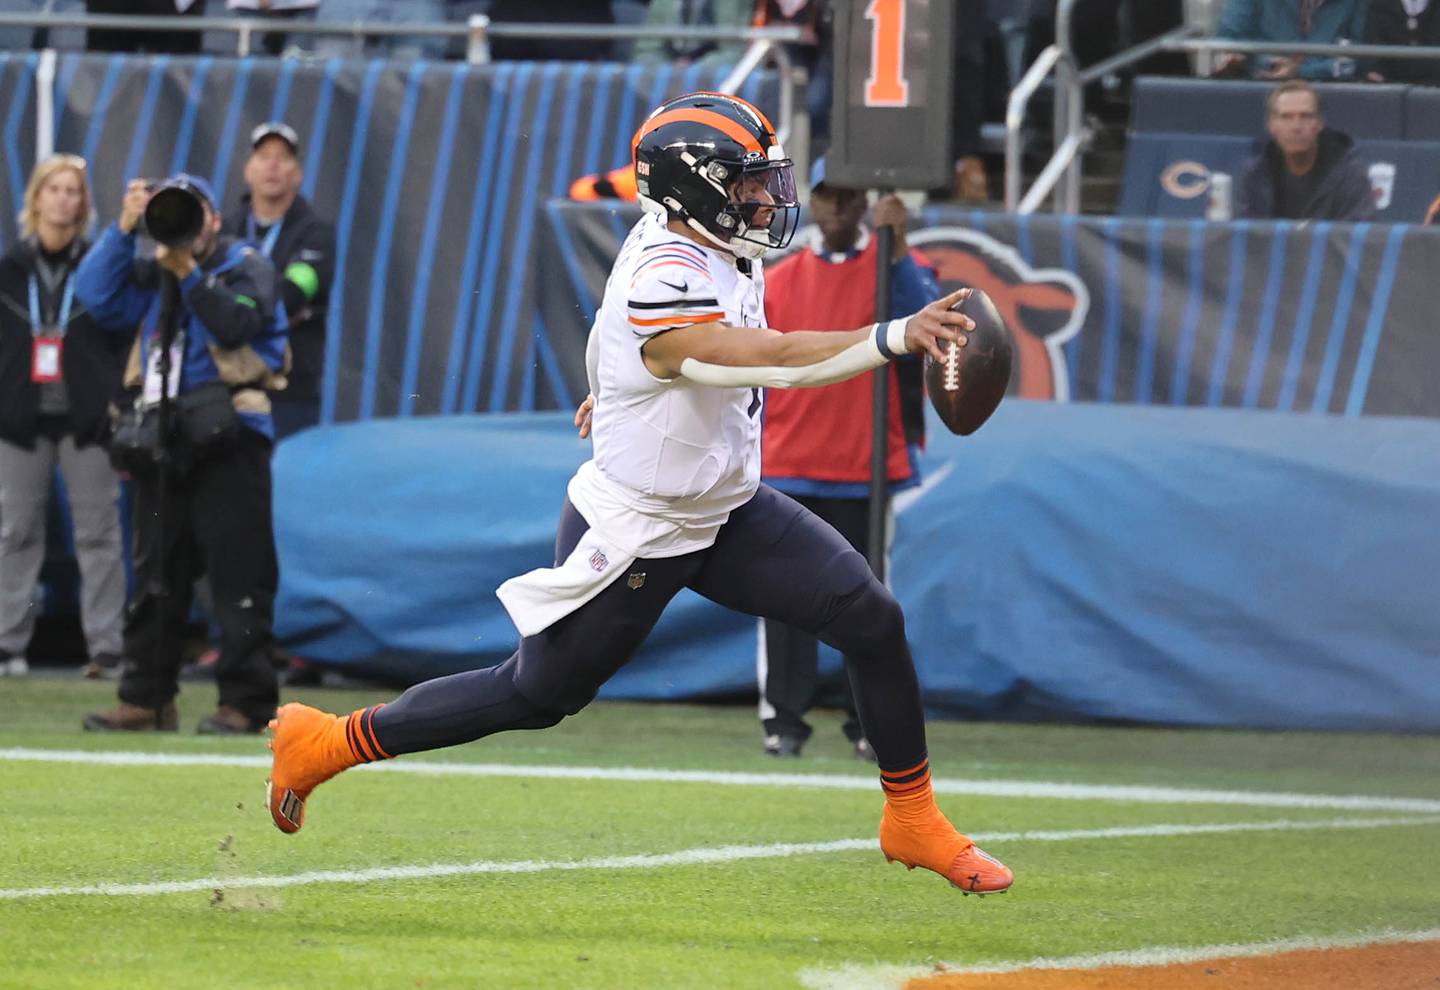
[1210, 499]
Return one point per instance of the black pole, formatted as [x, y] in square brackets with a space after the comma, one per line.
[880, 420]
[159, 587]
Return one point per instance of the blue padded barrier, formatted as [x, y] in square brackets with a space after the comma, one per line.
[1080, 561]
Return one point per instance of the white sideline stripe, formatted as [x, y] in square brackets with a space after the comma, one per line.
[685, 857]
[883, 977]
[1133, 793]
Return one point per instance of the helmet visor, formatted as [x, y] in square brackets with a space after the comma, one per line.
[766, 203]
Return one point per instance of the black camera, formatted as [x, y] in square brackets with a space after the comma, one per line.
[175, 214]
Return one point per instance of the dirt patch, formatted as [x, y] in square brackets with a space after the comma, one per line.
[1397, 966]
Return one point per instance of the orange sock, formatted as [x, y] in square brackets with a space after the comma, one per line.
[356, 733]
[908, 793]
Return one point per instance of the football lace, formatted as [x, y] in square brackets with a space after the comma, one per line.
[952, 366]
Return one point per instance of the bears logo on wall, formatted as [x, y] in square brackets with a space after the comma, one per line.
[1042, 307]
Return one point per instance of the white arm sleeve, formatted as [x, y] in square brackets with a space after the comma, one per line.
[886, 341]
[592, 361]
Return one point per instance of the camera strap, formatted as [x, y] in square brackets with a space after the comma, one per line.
[150, 395]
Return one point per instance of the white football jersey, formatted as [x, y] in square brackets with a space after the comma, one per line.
[672, 458]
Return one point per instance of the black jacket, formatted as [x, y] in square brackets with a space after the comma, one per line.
[92, 362]
[1343, 193]
[305, 240]
[1388, 24]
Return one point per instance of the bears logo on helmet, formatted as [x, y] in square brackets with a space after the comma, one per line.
[713, 162]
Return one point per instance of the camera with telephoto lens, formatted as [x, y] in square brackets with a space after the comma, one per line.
[175, 214]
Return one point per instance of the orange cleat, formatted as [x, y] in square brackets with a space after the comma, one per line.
[936, 845]
[310, 747]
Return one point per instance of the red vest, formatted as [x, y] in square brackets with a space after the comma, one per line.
[824, 433]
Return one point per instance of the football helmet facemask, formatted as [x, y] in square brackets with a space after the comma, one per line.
[713, 162]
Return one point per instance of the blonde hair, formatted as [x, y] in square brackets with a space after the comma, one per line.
[44, 171]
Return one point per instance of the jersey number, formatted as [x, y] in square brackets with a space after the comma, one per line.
[886, 86]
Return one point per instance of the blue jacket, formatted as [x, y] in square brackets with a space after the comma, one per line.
[1279, 20]
[228, 301]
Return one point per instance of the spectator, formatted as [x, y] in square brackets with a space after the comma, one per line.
[273, 42]
[830, 285]
[228, 349]
[59, 372]
[349, 12]
[551, 12]
[20, 38]
[1306, 170]
[169, 42]
[968, 100]
[1404, 22]
[1432, 215]
[282, 226]
[694, 13]
[1312, 21]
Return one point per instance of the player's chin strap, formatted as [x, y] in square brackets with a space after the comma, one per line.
[885, 342]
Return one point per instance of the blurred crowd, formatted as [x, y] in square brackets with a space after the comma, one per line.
[1002, 37]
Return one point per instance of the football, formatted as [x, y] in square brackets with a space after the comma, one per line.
[966, 387]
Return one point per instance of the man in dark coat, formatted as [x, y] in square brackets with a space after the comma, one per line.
[1306, 170]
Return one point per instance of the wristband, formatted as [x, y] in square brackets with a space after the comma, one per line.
[890, 338]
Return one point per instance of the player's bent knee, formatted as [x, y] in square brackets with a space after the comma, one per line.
[550, 703]
[870, 622]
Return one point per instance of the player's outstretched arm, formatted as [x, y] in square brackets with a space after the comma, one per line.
[714, 354]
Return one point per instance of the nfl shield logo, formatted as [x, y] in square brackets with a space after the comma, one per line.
[636, 580]
[598, 561]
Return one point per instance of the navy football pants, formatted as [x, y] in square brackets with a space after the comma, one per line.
[773, 558]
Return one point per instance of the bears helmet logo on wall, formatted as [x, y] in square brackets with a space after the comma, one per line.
[1042, 307]
[1186, 179]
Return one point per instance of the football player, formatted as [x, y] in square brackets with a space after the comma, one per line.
[672, 498]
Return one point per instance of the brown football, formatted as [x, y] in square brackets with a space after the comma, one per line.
[966, 387]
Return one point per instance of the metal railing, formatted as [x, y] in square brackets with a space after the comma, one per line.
[1062, 173]
[1015, 121]
[477, 32]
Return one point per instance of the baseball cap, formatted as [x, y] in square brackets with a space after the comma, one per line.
[817, 173]
[276, 128]
[195, 182]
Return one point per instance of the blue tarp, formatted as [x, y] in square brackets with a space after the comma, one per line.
[1169, 565]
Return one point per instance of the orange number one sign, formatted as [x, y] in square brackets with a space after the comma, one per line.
[886, 85]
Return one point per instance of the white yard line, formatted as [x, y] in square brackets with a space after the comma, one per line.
[882, 977]
[1132, 793]
[685, 857]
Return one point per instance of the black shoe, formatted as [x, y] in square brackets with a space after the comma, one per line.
[229, 721]
[783, 745]
[863, 750]
[134, 718]
[102, 667]
[302, 673]
[202, 668]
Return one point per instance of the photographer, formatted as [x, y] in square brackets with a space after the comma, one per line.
[227, 350]
[59, 371]
[282, 226]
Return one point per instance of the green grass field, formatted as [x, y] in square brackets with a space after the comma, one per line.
[770, 917]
